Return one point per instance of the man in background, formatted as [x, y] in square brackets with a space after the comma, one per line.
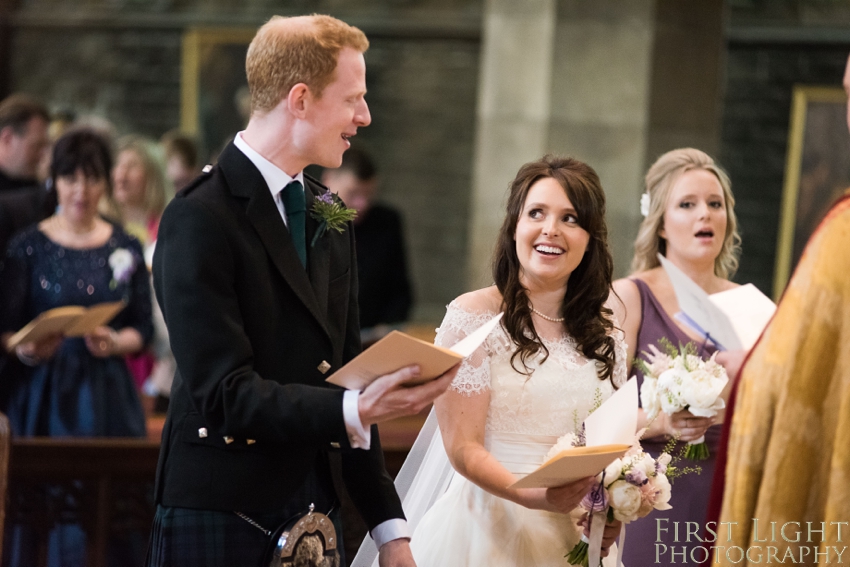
[385, 294]
[23, 200]
[23, 140]
[181, 158]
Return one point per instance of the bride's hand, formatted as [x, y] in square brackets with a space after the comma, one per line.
[563, 499]
[612, 530]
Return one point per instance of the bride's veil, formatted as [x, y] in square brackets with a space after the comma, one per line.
[424, 477]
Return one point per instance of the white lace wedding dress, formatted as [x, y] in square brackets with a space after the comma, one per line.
[464, 525]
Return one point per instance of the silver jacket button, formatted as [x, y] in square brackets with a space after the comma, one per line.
[250, 441]
[324, 367]
[334, 445]
[202, 432]
[228, 439]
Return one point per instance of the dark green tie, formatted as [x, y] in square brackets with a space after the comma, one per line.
[296, 212]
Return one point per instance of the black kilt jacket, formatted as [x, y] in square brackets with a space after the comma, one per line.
[251, 416]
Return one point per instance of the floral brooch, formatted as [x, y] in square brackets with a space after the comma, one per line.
[332, 214]
[123, 263]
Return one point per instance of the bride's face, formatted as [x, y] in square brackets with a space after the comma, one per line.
[549, 241]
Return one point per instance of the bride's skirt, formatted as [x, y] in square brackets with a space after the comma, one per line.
[469, 527]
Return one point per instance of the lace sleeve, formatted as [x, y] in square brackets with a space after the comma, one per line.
[620, 375]
[473, 376]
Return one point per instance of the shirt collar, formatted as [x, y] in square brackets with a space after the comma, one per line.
[275, 177]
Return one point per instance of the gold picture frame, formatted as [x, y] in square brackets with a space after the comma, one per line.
[213, 86]
[817, 171]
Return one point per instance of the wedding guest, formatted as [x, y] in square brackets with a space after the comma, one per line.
[787, 458]
[536, 378]
[23, 139]
[181, 158]
[140, 193]
[690, 219]
[23, 199]
[77, 387]
[141, 188]
[385, 296]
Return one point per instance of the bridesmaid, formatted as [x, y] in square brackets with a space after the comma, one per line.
[689, 218]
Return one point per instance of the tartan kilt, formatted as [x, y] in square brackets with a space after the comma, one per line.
[183, 537]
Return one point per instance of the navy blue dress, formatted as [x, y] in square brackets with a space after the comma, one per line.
[74, 393]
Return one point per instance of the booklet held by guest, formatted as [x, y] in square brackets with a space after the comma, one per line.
[397, 350]
[731, 319]
[68, 321]
[609, 433]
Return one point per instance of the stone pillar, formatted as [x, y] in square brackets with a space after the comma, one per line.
[512, 115]
[605, 93]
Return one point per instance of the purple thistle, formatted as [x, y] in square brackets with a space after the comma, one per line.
[596, 500]
[636, 477]
[581, 437]
[327, 197]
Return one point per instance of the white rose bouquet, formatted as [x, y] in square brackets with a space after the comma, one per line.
[679, 379]
[628, 489]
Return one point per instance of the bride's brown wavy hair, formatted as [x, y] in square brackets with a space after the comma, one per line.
[586, 319]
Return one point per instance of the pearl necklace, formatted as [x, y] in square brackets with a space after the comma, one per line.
[553, 319]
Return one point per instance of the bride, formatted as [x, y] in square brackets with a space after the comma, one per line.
[554, 358]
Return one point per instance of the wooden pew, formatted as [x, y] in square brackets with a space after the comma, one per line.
[110, 478]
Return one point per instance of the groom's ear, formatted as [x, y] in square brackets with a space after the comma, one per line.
[298, 99]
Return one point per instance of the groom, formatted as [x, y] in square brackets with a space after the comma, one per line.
[260, 310]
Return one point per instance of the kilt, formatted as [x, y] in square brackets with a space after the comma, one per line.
[183, 537]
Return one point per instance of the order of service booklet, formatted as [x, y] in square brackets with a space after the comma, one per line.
[397, 350]
[609, 433]
[733, 319]
[68, 321]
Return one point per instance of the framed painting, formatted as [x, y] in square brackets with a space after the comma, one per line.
[817, 171]
[215, 103]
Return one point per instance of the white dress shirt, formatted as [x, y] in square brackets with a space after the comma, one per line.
[359, 436]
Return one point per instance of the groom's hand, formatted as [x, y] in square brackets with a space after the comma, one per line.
[396, 553]
[392, 395]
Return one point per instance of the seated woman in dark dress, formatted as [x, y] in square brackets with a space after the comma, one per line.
[690, 219]
[77, 387]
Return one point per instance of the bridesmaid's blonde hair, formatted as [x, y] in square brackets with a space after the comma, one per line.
[660, 179]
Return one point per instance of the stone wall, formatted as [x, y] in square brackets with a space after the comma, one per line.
[772, 46]
[121, 60]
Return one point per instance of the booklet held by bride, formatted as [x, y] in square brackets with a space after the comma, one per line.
[609, 432]
[68, 321]
[397, 350]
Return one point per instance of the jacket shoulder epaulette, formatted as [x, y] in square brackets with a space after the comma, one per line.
[205, 174]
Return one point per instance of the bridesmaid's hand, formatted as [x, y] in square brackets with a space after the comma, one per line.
[34, 353]
[102, 342]
[612, 531]
[685, 424]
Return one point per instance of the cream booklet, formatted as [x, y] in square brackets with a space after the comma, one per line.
[398, 350]
[609, 433]
[733, 319]
[68, 321]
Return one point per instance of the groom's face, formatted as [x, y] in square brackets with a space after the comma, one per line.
[334, 117]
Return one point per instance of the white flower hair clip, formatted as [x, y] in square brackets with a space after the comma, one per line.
[644, 204]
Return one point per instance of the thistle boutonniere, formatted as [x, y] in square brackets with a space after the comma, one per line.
[123, 264]
[329, 209]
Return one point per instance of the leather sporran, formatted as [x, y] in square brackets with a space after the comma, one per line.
[307, 540]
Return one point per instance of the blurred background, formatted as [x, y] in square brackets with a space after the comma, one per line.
[462, 92]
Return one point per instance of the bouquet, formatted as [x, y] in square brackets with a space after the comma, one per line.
[628, 489]
[679, 379]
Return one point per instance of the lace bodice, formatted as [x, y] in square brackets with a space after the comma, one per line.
[554, 400]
